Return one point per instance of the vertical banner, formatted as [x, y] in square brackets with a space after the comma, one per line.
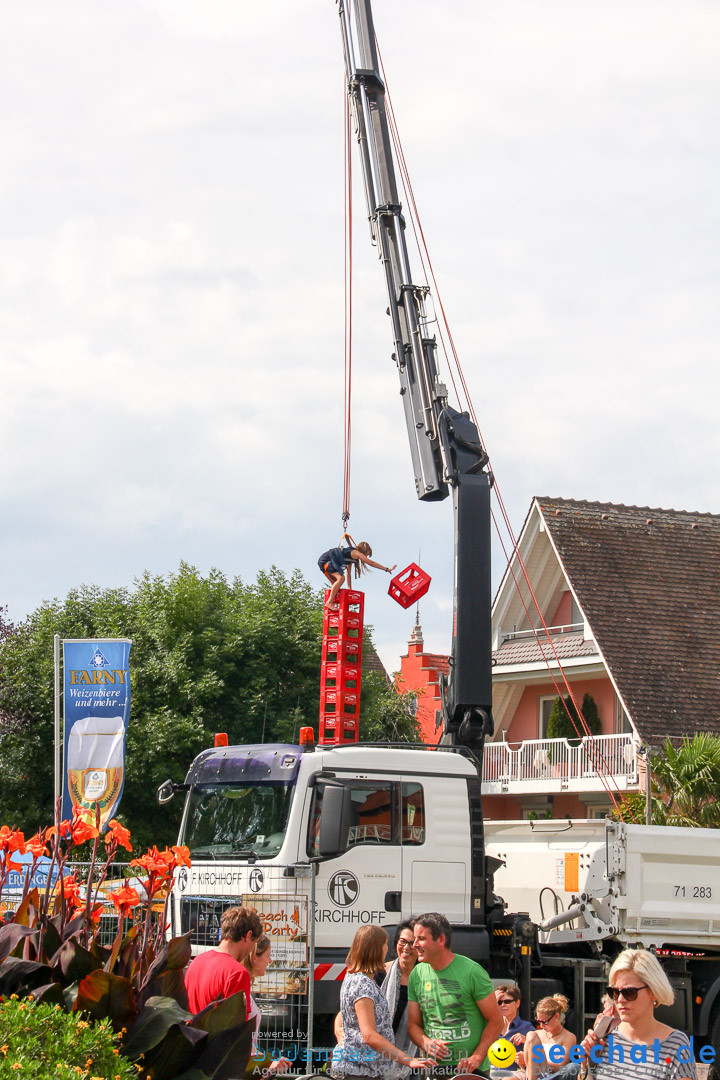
[96, 710]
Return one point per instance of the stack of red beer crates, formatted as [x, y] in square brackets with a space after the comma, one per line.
[341, 671]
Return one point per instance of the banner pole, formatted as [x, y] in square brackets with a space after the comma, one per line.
[58, 788]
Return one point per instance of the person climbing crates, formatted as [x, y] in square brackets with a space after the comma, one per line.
[337, 564]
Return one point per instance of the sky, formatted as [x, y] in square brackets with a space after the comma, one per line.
[172, 279]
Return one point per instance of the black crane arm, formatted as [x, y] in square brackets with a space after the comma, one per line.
[445, 446]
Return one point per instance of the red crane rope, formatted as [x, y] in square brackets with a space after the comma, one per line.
[347, 432]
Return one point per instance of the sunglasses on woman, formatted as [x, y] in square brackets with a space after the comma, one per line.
[542, 1023]
[630, 993]
[506, 1001]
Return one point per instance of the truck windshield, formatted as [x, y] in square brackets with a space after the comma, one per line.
[233, 819]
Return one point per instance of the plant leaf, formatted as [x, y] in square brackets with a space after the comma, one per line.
[228, 1052]
[11, 934]
[50, 941]
[24, 913]
[176, 1052]
[229, 1044]
[193, 1074]
[220, 1015]
[51, 994]
[101, 994]
[22, 976]
[153, 1021]
[170, 984]
[74, 961]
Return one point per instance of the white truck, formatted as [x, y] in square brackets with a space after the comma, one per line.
[389, 832]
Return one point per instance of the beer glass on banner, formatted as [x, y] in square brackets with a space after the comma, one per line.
[96, 763]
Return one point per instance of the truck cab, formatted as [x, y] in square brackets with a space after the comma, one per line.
[384, 832]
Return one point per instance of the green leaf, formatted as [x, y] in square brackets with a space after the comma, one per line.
[101, 994]
[153, 1021]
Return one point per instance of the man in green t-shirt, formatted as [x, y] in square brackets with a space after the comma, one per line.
[453, 1014]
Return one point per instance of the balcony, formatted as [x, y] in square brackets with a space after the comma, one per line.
[553, 765]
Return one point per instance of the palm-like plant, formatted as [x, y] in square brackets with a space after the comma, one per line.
[685, 784]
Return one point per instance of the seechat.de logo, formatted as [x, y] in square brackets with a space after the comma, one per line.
[256, 879]
[343, 888]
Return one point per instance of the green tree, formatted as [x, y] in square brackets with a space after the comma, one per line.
[209, 654]
[685, 785]
[561, 726]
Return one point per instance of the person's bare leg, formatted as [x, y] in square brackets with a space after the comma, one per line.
[337, 584]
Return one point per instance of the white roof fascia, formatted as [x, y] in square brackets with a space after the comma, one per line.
[587, 631]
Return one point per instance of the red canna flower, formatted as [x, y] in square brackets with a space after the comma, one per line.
[71, 890]
[12, 840]
[182, 855]
[81, 828]
[116, 832]
[153, 863]
[36, 845]
[124, 898]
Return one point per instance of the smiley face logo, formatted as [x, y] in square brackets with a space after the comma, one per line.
[502, 1054]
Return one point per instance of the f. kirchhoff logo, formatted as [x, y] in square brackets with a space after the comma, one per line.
[98, 660]
[256, 880]
[343, 888]
[182, 879]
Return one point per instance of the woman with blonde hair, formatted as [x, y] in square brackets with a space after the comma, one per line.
[642, 1048]
[549, 1015]
[368, 1048]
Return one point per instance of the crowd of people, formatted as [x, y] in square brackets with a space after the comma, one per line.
[431, 1009]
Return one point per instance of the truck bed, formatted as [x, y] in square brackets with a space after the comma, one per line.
[654, 885]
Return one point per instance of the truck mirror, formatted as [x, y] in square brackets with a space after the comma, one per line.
[334, 821]
[165, 792]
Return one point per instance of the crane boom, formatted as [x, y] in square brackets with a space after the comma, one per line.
[445, 446]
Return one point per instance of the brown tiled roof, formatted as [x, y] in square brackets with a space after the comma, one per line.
[648, 581]
[371, 661]
[437, 662]
[526, 650]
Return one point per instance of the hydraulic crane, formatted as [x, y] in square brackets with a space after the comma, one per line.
[444, 443]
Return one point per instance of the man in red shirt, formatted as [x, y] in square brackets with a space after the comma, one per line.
[218, 973]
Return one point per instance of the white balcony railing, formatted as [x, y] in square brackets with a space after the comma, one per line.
[554, 765]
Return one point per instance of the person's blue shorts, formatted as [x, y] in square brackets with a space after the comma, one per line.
[332, 562]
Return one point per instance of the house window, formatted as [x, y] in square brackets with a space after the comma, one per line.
[576, 617]
[622, 720]
[545, 705]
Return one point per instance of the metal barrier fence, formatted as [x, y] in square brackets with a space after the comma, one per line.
[284, 897]
[115, 877]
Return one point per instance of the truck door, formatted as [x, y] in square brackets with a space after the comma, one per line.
[351, 889]
[435, 833]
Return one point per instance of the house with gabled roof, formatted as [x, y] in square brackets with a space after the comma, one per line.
[628, 614]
